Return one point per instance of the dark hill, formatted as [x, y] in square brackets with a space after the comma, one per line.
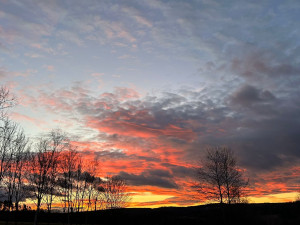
[269, 213]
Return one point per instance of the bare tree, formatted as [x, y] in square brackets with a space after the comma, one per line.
[6, 100]
[86, 183]
[80, 186]
[12, 151]
[42, 162]
[7, 128]
[115, 192]
[14, 168]
[297, 199]
[21, 165]
[97, 194]
[52, 182]
[8, 131]
[91, 180]
[84, 180]
[68, 168]
[219, 176]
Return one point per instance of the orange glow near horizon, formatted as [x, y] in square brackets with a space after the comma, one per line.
[161, 177]
[173, 187]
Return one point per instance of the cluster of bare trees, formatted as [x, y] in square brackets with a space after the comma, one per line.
[50, 171]
[220, 178]
[58, 174]
[53, 171]
[14, 155]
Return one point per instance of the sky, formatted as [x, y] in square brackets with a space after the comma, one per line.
[146, 86]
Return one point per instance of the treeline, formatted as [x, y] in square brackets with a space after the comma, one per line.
[50, 172]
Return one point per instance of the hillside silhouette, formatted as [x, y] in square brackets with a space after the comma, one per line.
[267, 213]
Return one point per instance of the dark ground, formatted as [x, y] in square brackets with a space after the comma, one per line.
[269, 213]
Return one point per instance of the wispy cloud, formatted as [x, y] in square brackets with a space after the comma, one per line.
[20, 117]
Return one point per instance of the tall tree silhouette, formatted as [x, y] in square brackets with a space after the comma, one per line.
[14, 172]
[7, 100]
[219, 176]
[115, 193]
[42, 162]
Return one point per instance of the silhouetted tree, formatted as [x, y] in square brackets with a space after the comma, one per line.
[15, 165]
[79, 184]
[58, 142]
[219, 177]
[52, 183]
[8, 131]
[20, 161]
[42, 162]
[68, 168]
[97, 194]
[6, 100]
[115, 193]
[91, 180]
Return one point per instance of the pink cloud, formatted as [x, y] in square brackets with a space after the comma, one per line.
[50, 68]
[20, 117]
[97, 74]
[123, 127]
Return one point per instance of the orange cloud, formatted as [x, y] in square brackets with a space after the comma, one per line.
[120, 124]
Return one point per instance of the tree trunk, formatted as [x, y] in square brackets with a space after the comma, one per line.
[36, 217]
[37, 212]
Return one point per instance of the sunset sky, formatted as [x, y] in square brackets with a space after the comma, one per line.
[146, 85]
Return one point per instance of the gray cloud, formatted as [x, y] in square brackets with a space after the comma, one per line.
[261, 126]
[257, 65]
[158, 178]
[248, 95]
[181, 171]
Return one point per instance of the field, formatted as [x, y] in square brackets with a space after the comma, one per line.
[271, 213]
